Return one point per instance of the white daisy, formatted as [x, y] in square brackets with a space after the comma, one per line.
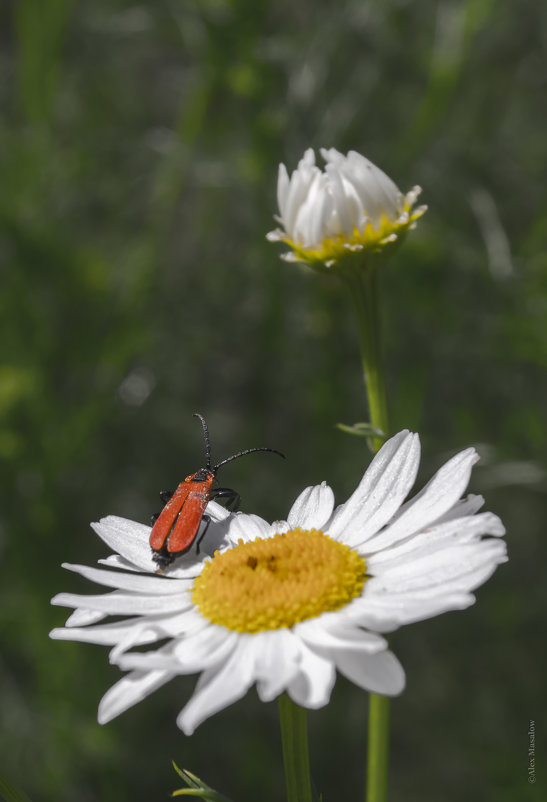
[285, 605]
[349, 207]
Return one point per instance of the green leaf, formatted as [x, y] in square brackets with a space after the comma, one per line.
[362, 430]
[196, 787]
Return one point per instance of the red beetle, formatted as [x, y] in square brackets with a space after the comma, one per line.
[176, 527]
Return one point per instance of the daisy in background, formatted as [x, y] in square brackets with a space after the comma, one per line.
[349, 207]
[286, 605]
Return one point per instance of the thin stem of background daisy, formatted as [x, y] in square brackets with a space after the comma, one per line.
[342, 220]
[294, 737]
[364, 292]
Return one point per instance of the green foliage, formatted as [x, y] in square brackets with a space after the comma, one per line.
[196, 787]
[139, 148]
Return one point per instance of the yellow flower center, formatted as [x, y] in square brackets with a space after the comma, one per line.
[371, 238]
[276, 582]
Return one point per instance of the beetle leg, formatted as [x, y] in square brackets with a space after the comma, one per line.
[165, 495]
[232, 496]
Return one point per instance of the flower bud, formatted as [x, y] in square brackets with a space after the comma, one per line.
[349, 207]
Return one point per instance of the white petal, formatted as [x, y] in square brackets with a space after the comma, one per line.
[301, 182]
[371, 615]
[195, 648]
[375, 184]
[84, 635]
[115, 561]
[275, 236]
[305, 216]
[439, 495]
[220, 685]
[118, 603]
[381, 491]
[127, 538]
[312, 508]
[319, 213]
[129, 691]
[216, 512]
[466, 506]
[331, 631]
[132, 638]
[412, 194]
[277, 662]
[246, 528]
[313, 684]
[282, 189]
[343, 205]
[83, 617]
[453, 568]
[360, 175]
[435, 539]
[149, 661]
[399, 609]
[308, 159]
[205, 648]
[148, 630]
[211, 536]
[332, 156]
[188, 566]
[106, 635]
[379, 673]
[278, 528]
[135, 582]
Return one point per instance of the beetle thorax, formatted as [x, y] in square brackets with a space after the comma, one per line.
[203, 475]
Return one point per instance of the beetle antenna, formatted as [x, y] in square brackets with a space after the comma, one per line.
[207, 441]
[243, 453]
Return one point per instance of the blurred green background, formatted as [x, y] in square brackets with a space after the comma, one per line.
[139, 146]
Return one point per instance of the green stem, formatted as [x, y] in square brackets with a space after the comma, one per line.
[378, 748]
[364, 291]
[294, 736]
